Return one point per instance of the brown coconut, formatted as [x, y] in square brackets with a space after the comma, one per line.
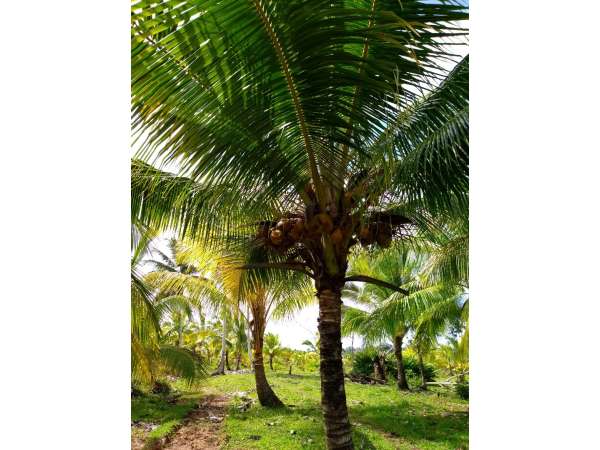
[313, 226]
[325, 222]
[276, 236]
[285, 225]
[337, 236]
[297, 229]
[365, 234]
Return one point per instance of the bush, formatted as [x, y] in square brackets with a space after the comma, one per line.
[161, 387]
[462, 390]
[362, 364]
[411, 366]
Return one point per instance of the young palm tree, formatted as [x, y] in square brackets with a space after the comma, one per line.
[390, 316]
[179, 317]
[316, 120]
[271, 297]
[272, 347]
[150, 354]
[240, 338]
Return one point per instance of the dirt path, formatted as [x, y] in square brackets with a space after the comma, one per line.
[202, 430]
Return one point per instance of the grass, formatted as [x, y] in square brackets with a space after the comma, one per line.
[382, 417]
[155, 409]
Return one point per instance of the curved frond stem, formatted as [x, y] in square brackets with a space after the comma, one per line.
[283, 61]
[385, 284]
[365, 54]
[298, 267]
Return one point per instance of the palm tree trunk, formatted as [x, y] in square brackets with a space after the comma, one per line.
[271, 361]
[422, 370]
[266, 396]
[249, 334]
[379, 364]
[227, 360]
[179, 337]
[402, 383]
[221, 368]
[333, 394]
[238, 360]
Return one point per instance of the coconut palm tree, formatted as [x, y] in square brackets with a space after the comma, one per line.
[179, 317]
[272, 347]
[192, 274]
[271, 295]
[389, 317]
[151, 354]
[324, 123]
[240, 338]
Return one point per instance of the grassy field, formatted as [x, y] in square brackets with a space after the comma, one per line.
[382, 417]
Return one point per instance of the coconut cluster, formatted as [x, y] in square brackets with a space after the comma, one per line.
[376, 232]
[288, 231]
[336, 220]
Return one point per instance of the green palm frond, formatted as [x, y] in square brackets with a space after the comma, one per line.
[449, 261]
[271, 343]
[272, 85]
[175, 304]
[431, 140]
[165, 201]
[182, 363]
[387, 313]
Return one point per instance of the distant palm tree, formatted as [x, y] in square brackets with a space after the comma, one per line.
[318, 121]
[271, 297]
[390, 316]
[312, 346]
[240, 338]
[150, 354]
[272, 347]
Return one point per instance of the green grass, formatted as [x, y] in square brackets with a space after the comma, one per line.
[382, 417]
[157, 410]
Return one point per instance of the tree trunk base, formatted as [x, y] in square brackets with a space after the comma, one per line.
[333, 395]
[266, 395]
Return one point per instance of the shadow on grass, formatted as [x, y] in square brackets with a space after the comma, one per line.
[294, 376]
[451, 428]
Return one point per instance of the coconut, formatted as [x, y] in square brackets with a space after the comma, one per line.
[337, 236]
[285, 225]
[325, 222]
[276, 236]
[365, 233]
[297, 229]
[313, 227]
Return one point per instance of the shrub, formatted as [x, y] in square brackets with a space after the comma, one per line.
[462, 390]
[161, 387]
[362, 362]
[411, 365]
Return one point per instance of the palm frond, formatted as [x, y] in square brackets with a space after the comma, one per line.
[254, 81]
[182, 363]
